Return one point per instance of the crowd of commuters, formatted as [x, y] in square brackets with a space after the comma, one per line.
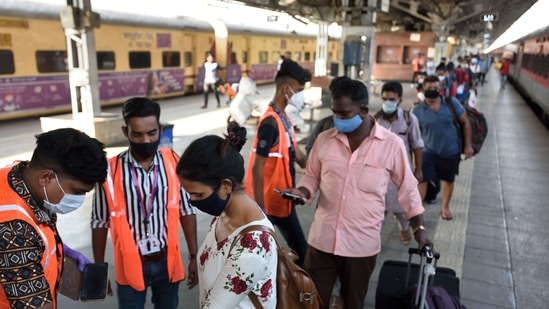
[357, 168]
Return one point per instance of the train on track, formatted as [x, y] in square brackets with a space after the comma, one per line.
[529, 71]
[136, 56]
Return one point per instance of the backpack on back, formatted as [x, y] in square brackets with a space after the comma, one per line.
[294, 287]
[479, 127]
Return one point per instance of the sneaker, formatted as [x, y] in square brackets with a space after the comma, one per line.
[405, 237]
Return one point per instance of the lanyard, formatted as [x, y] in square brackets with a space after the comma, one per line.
[287, 126]
[146, 211]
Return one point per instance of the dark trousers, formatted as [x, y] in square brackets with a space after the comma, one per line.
[481, 77]
[207, 88]
[291, 230]
[354, 274]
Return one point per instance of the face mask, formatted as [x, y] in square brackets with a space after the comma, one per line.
[389, 107]
[347, 125]
[420, 96]
[441, 77]
[68, 203]
[212, 205]
[432, 94]
[297, 99]
[144, 150]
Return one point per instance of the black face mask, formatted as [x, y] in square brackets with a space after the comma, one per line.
[432, 94]
[212, 205]
[144, 150]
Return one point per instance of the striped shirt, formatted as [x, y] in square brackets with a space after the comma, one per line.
[139, 185]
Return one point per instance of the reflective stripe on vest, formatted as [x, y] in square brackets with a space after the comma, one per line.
[127, 259]
[276, 171]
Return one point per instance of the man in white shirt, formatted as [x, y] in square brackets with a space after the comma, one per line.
[210, 79]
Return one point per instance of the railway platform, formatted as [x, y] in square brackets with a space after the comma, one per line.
[497, 241]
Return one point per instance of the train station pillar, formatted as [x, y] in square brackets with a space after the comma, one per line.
[221, 33]
[78, 20]
[321, 49]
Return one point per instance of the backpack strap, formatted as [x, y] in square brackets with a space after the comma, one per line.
[450, 105]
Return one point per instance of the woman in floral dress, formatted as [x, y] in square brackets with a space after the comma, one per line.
[211, 170]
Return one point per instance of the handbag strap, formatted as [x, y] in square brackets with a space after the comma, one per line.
[253, 298]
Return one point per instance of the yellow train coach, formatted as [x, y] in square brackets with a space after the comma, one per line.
[136, 56]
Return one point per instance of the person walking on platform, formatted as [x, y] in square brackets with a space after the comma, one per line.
[418, 65]
[441, 153]
[234, 267]
[504, 71]
[142, 203]
[210, 79]
[405, 125]
[274, 153]
[351, 166]
[65, 165]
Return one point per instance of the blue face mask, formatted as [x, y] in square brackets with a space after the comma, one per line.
[212, 205]
[347, 125]
[389, 107]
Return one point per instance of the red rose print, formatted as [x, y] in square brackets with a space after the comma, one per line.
[239, 285]
[266, 288]
[264, 238]
[203, 258]
[248, 241]
[221, 244]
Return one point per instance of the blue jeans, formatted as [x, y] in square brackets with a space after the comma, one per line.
[164, 293]
[290, 228]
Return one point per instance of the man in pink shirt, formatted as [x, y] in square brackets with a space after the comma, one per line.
[351, 166]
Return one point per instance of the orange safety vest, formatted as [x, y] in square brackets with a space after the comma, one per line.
[276, 172]
[127, 260]
[13, 207]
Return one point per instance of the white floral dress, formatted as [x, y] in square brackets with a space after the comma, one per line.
[226, 279]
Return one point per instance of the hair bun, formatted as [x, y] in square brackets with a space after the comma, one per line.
[236, 135]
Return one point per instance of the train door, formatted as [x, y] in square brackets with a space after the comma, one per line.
[245, 57]
[518, 62]
[189, 61]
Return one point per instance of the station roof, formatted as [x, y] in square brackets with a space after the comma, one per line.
[463, 19]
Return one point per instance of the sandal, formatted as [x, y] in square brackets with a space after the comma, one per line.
[405, 237]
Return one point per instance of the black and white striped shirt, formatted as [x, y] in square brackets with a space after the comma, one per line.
[138, 191]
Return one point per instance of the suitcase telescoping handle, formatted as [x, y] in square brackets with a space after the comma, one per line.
[426, 272]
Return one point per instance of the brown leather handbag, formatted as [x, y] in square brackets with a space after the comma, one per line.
[294, 286]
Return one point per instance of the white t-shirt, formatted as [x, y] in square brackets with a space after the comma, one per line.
[210, 72]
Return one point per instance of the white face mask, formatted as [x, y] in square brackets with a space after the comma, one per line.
[68, 203]
[297, 99]
[441, 77]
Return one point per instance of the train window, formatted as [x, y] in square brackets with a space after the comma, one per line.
[188, 58]
[140, 60]
[244, 57]
[171, 59]
[307, 56]
[6, 59]
[275, 56]
[51, 61]
[297, 56]
[105, 60]
[263, 57]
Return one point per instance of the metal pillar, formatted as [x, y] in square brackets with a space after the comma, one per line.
[78, 20]
[321, 49]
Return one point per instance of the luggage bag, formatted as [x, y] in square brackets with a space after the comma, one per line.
[398, 281]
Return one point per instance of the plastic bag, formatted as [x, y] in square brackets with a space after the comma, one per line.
[472, 101]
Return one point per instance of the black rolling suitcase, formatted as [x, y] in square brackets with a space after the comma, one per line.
[398, 282]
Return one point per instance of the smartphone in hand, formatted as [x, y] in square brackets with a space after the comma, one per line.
[290, 196]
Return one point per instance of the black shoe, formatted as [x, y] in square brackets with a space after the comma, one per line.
[218, 105]
[204, 106]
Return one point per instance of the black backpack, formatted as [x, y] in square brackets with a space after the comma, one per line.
[479, 127]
